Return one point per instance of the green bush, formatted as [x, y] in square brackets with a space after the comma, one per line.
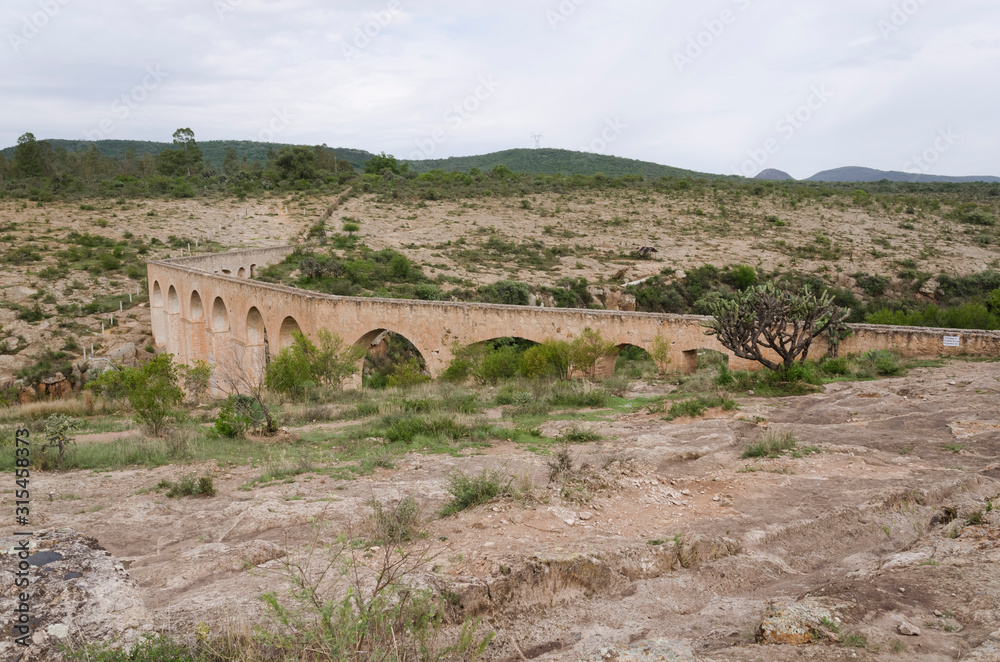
[470, 491]
[304, 365]
[237, 416]
[189, 485]
[698, 406]
[395, 524]
[406, 375]
[151, 390]
[773, 444]
[498, 364]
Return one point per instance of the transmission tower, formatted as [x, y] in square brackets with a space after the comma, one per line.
[538, 139]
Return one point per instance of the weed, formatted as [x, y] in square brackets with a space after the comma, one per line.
[393, 524]
[773, 444]
[470, 491]
[189, 485]
[577, 436]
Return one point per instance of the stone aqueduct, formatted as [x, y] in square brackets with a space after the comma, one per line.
[207, 307]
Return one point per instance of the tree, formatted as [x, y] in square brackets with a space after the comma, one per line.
[231, 164]
[380, 164]
[296, 163]
[771, 317]
[587, 349]
[197, 379]
[184, 159]
[151, 390]
[661, 353]
[28, 157]
[241, 376]
[305, 364]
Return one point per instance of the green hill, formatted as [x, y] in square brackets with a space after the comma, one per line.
[213, 151]
[531, 161]
[555, 162]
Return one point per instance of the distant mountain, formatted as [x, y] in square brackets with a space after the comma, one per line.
[556, 162]
[857, 174]
[774, 175]
[213, 151]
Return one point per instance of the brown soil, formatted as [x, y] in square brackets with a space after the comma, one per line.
[676, 544]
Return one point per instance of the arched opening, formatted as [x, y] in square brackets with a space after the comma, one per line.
[220, 315]
[173, 301]
[391, 360]
[256, 333]
[634, 362]
[157, 294]
[242, 273]
[707, 360]
[197, 310]
[285, 338]
[253, 270]
[227, 272]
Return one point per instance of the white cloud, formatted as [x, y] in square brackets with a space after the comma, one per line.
[229, 70]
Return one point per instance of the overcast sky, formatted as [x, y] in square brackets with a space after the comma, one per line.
[724, 86]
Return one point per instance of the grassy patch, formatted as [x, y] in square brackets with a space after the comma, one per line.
[468, 491]
[698, 406]
[773, 444]
[189, 485]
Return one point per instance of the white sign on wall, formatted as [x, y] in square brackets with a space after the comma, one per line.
[953, 341]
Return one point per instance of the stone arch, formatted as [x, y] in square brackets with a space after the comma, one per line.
[255, 329]
[220, 315]
[242, 273]
[376, 344]
[197, 309]
[157, 294]
[629, 354]
[253, 270]
[173, 301]
[285, 338]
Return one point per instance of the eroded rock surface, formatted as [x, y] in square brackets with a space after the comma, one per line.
[79, 593]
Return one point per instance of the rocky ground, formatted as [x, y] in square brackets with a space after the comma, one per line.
[668, 545]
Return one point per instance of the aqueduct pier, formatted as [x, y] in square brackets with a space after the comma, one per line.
[208, 308]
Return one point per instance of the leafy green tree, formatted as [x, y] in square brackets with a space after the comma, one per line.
[769, 317]
[381, 163]
[28, 157]
[231, 163]
[304, 364]
[184, 159]
[197, 378]
[661, 353]
[151, 390]
[588, 348]
[295, 163]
